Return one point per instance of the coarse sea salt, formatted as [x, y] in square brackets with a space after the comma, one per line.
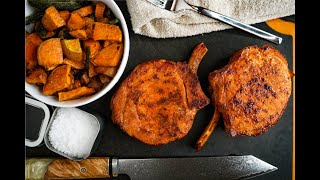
[73, 132]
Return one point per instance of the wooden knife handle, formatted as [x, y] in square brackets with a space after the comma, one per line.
[95, 167]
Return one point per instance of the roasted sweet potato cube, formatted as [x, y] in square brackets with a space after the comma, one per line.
[92, 72]
[72, 49]
[106, 43]
[84, 79]
[104, 78]
[71, 86]
[109, 71]
[84, 11]
[48, 35]
[32, 42]
[38, 76]
[59, 79]
[89, 22]
[75, 22]
[51, 19]
[65, 15]
[103, 20]
[100, 69]
[89, 26]
[109, 32]
[74, 64]
[89, 32]
[79, 34]
[94, 46]
[109, 56]
[74, 84]
[95, 83]
[77, 83]
[99, 10]
[50, 54]
[75, 93]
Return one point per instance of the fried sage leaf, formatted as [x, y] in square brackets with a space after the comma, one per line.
[59, 4]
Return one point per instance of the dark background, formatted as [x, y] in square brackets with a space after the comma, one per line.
[274, 146]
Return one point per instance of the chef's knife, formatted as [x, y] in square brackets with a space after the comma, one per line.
[224, 167]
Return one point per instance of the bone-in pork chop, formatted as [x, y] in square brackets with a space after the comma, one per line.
[158, 101]
[252, 91]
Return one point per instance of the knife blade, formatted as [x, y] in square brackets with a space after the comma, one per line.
[197, 168]
[224, 167]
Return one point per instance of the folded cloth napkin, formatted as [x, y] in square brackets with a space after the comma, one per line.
[152, 21]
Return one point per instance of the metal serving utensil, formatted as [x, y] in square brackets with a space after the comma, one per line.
[177, 5]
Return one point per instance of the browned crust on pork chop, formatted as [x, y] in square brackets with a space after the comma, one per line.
[252, 91]
[158, 101]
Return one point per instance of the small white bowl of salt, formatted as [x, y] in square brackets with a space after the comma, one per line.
[73, 133]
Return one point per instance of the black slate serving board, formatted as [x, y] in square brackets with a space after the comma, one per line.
[274, 146]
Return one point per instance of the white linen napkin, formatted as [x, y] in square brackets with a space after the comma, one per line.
[152, 21]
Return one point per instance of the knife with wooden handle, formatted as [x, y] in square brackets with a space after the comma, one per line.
[223, 167]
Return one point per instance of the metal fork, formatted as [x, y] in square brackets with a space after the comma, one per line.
[177, 5]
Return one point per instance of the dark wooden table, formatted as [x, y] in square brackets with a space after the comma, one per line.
[274, 146]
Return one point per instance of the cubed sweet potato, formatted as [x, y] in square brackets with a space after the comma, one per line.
[89, 22]
[75, 93]
[79, 34]
[50, 54]
[38, 76]
[75, 22]
[84, 79]
[89, 26]
[51, 19]
[32, 42]
[100, 7]
[74, 64]
[109, 71]
[84, 11]
[59, 79]
[71, 86]
[103, 20]
[65, 15]
[104, 78]
[77, 83]
[48, 35]
[92, 72]
[94, 46]
[108, 32]
[89, 32]
[72, 49]
[95, 83]
[106, 43]
[109, 56]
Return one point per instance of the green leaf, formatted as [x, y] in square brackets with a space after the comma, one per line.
[59, 4]
[33, 18]
[42, 31]
[114, 21]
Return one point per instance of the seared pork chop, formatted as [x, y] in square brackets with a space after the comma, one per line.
[158, 101]
[252, 91]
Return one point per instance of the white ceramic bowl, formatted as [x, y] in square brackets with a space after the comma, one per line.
[35, 91]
